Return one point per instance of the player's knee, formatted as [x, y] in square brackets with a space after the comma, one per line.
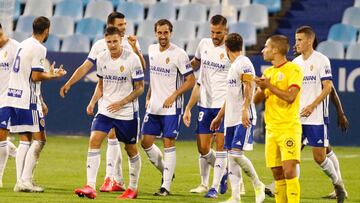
[131, 150]
[204, 150]
[112, 134]
[319, 159]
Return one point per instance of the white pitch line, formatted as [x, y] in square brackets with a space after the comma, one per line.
[348, 156]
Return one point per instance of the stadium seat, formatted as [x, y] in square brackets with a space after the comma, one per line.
[214, 10]
[20, 36]
[273, 6]
[192, 46]
[193, 12]
[62, 26]
[17, 9]
[146, 29]
[99, 10]
[184, 30]
[239, 4]
[76, 43]
[177, 3]
[331, 49]
[208, 3]
[144, 43]
[52, 43]
[38, 8]
[260, 20]
[130, 28]
[162, 10]
[178, 42]
[71, 8]
[345, 34]
[133, 11]
[146, 3]
[204, 30]
[246, 30]
[90, 27]
[24, 24]
[351, 16]
[357, 3]
[353, 52]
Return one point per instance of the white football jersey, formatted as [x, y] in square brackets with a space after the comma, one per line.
[100, 46]
[316, 69]
[214, 68]
[235, 94]
[7, 56]
[168, 70]
[22, 91]
[118, 77]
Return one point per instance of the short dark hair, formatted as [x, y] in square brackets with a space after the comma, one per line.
[40, 24]
[218, 20]
[0, 26]
[162, 22]
[113, 15]
[307, 30]
[112, 31]
[234, 42]
[280, 42]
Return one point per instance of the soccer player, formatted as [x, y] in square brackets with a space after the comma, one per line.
[114, 179]
[240, 118]
[7, 55]
[314, 105]
[209, 93]
[280, 87]
[170, 76]
[120, 84]
[23, 107]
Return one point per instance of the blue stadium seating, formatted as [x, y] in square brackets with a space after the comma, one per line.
[196, 13]
[20, 36]
[246, 30]
[273, 6]
[331, 49]
[144, 43]
[204, 30]
[260, 20]
[208, 3]
[146, 3]
[90, 27]
[184, 30]
[353, 52]
[192, 46]
[177, 3]
[239, 4]
[38, 8]
[133, 11]
[62, 26]
[52, 43]
[351, 16]
[99, 10]
[146, 29]
[346, 34]
[162, 10]
[24, 24]
[17, 9]
[214, 10]
[76, 43]
[71, 8]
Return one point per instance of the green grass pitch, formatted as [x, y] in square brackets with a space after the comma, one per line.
[62, 168]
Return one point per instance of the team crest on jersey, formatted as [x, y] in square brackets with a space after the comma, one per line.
[5, 54]
[122, 68]
[42, 62]
[280, 76]
[289, 143]
[42, 122]
[311, 67]
[222, 55]
[167, 60]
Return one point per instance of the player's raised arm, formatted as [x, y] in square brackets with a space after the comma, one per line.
[133, 43]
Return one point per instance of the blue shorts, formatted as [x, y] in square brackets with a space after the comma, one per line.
[165, 125]
[239, 137]
[206, 115]
[126, 131]
[21, 120]
[315, 135]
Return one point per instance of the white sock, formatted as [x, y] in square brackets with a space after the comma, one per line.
[134, 171]
[329, 169]
[155, 156]
[92, 166]
[169, 166]
[31, 159]
[112, 150]
[118, 167]
[332, 156]
[219, 168]
[298, 170]
[235, 177]
[20, 158]
[4, 154]
[12, 149]
[205, 162]
[247, 166]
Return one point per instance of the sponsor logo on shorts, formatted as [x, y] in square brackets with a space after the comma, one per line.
[42, 122]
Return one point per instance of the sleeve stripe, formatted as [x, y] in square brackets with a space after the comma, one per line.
[188, 73]
[294, 85]
[91, 60]
[198, 59]
[326, 78]
[99, 76]
[138, 79]
[37, 69]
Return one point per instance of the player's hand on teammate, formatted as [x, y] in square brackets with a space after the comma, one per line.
[116, 106]
[169, 101]
[187, 117]
[215, 123]
[262, 82]
[306, 112]
[245, 118]
[343, 122]
[90, 109]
